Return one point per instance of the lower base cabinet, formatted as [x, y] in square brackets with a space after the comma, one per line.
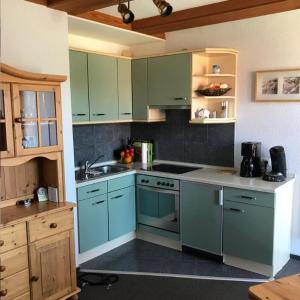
[93, 222]
[201, 216]
[121, 211]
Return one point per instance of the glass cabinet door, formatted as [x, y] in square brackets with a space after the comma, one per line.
[6, 133]
[37, 118]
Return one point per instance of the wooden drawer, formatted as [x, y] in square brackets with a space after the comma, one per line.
[14, 286]
[249, 197]
[13, 261]
[50, 225]
[24, 297]
[92, 190]
[12, 237]
[121, 183]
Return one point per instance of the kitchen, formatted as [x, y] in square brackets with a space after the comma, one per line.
[177, 135]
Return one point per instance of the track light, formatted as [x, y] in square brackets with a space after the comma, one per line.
[164, 8]
[126, 13]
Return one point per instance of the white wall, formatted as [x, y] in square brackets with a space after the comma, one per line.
[35, 38]
[268, 42]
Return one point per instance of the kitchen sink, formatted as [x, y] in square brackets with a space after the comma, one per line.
[98, 172]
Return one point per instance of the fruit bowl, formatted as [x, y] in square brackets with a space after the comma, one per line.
[212, 92]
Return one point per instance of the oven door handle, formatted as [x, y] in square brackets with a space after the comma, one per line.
[154, 189]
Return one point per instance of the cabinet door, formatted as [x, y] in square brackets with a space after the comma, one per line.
[201, 217]
[79, 86]
[6, 131]
[92, 222]
[37, 117]
[52, 261]
[248, 232]
[124, 89]
[103, 87]
[169, 79]
[121, 207]
[140, 89]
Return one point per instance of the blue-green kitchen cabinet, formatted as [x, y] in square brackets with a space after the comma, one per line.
[103, 91]
[121, 208]
[249, 225]
[92, 222]
[124, 89]
[201, 216]
[140, 89]
[169, 80]
[79, 86]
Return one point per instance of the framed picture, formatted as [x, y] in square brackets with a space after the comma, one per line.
[278, 85]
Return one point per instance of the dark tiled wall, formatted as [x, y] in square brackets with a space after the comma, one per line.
[90, 141]
[175, 140]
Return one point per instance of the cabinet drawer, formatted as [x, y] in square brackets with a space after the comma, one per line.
[92, 190]
[12, 237]
[50, 225]
[13, 261]
[14, 286]
[120, 183]
[249, 197]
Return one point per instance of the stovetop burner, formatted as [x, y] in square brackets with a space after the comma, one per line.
[174, 169]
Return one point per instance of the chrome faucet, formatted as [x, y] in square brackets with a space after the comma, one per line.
[88, 166]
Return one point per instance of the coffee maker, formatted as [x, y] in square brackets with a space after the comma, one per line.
[251, 163]
[278, 160]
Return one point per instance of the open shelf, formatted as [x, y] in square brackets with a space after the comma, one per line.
[215, 97]
[213, 121]
[214, 75]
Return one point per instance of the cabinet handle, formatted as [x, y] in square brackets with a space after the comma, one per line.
[19, 120]
[3, 293]
[248, 197]
[34, 278]
[119, 196]
[221, 197]
[180, 98]
[53, 225]
[99, 202]
[1, 243]
[2, 269]
[99, 114]
[78, 115]
[236, 210]
[127, 114]
[93, 191]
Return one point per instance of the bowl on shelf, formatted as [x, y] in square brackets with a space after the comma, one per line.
[212, 92]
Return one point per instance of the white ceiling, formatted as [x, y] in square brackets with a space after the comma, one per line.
[146, 8]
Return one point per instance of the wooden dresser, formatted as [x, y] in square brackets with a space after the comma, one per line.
[37, 253]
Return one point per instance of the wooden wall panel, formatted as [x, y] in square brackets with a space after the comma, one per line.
[2, 184]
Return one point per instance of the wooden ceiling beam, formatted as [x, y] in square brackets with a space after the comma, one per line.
[75, 7]
[221, 12]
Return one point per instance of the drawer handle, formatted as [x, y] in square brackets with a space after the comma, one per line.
[99, 114]
[248, 197]
[99, 202]
[53, 225]
[236, 210]
[180, 98]
[35, 278]
[119, 196]
[93, 191]
[1, 243]
[3, 293]
[79, 115]
[2, 269]
[126, 114]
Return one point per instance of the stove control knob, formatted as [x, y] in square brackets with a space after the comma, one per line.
[163, 183]
[167, 184]
[158, 183]
[146, 181]
[143, 180]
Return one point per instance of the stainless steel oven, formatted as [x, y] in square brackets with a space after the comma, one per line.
[158, 202]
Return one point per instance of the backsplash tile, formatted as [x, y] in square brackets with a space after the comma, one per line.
[174, 140]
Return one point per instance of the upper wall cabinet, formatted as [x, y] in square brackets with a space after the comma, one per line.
[6, 129]
[79, 86]
[103, 87]
[124, 89]
[169, 80]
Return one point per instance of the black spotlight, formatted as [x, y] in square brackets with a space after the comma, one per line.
[164, 8]
[126, 13]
